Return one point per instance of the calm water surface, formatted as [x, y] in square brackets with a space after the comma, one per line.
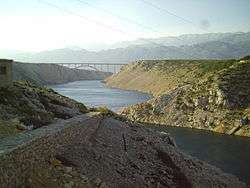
[95, 93]
[230, 153]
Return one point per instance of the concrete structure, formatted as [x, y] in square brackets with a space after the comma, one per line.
[5, 72]
[104, 67]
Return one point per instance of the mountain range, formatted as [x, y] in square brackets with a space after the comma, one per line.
[189, 46]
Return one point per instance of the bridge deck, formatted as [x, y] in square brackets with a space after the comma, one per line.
[105, 67]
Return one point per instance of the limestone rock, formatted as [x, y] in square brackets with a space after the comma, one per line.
[216, 96]
[34, 107]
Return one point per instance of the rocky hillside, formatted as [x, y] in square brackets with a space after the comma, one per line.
[26, 107]
[80, 149]
[203, 94]
[103, 151]
[46, 74]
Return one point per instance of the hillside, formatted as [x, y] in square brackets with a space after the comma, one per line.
[26, 107]
[187, 39]
[203, 94]
[192, 46]
[97, 149]
[48, 74]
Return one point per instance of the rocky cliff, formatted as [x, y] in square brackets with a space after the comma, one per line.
[48, 74]
[203, 94]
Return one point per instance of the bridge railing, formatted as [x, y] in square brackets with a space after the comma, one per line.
[104, 67]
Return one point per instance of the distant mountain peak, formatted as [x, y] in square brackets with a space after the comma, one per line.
[75, 48]
[189, 46]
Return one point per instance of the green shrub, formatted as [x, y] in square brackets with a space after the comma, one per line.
[246, 58]
[103, 110]
[7, 129]
[214, 66]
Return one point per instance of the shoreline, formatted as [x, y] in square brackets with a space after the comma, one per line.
[108, 128]
[165, 125]
[202, 104]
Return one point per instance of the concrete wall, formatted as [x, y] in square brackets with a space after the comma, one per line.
[5, 72]
[20, 155]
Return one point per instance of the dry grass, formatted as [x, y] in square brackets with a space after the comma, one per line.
[7, 129]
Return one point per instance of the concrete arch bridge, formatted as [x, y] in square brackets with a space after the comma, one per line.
[104, 67]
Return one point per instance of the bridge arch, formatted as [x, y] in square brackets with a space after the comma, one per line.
[104, 67]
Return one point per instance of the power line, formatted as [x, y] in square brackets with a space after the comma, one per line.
[169, 13]
[118, 16]
[82, 17]
[146, 26]
[177, 16]
[106, 25]
[126, 19]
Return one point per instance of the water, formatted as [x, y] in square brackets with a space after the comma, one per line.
[95, 93]
[230, 153]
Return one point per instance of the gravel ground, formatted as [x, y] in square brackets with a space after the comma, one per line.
[122, 154]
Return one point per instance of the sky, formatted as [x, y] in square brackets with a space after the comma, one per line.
[37, 25]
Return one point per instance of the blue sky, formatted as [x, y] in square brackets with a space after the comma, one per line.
[33, 25]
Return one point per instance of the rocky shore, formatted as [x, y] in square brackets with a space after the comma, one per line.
[73, 146]
[203, 94]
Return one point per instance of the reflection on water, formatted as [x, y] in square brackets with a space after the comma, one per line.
[229, 153]
[95, 93]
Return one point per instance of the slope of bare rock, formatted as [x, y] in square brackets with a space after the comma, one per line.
[140, 157]
[102, 151]
[203, 94]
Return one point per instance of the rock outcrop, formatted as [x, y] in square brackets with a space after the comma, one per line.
[82, 147]
[24, 106]
[212, 95]
[103, 151]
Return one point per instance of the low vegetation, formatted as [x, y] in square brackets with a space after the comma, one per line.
[8, 129]
[203, 94]
[24, 106]
[103, 110]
